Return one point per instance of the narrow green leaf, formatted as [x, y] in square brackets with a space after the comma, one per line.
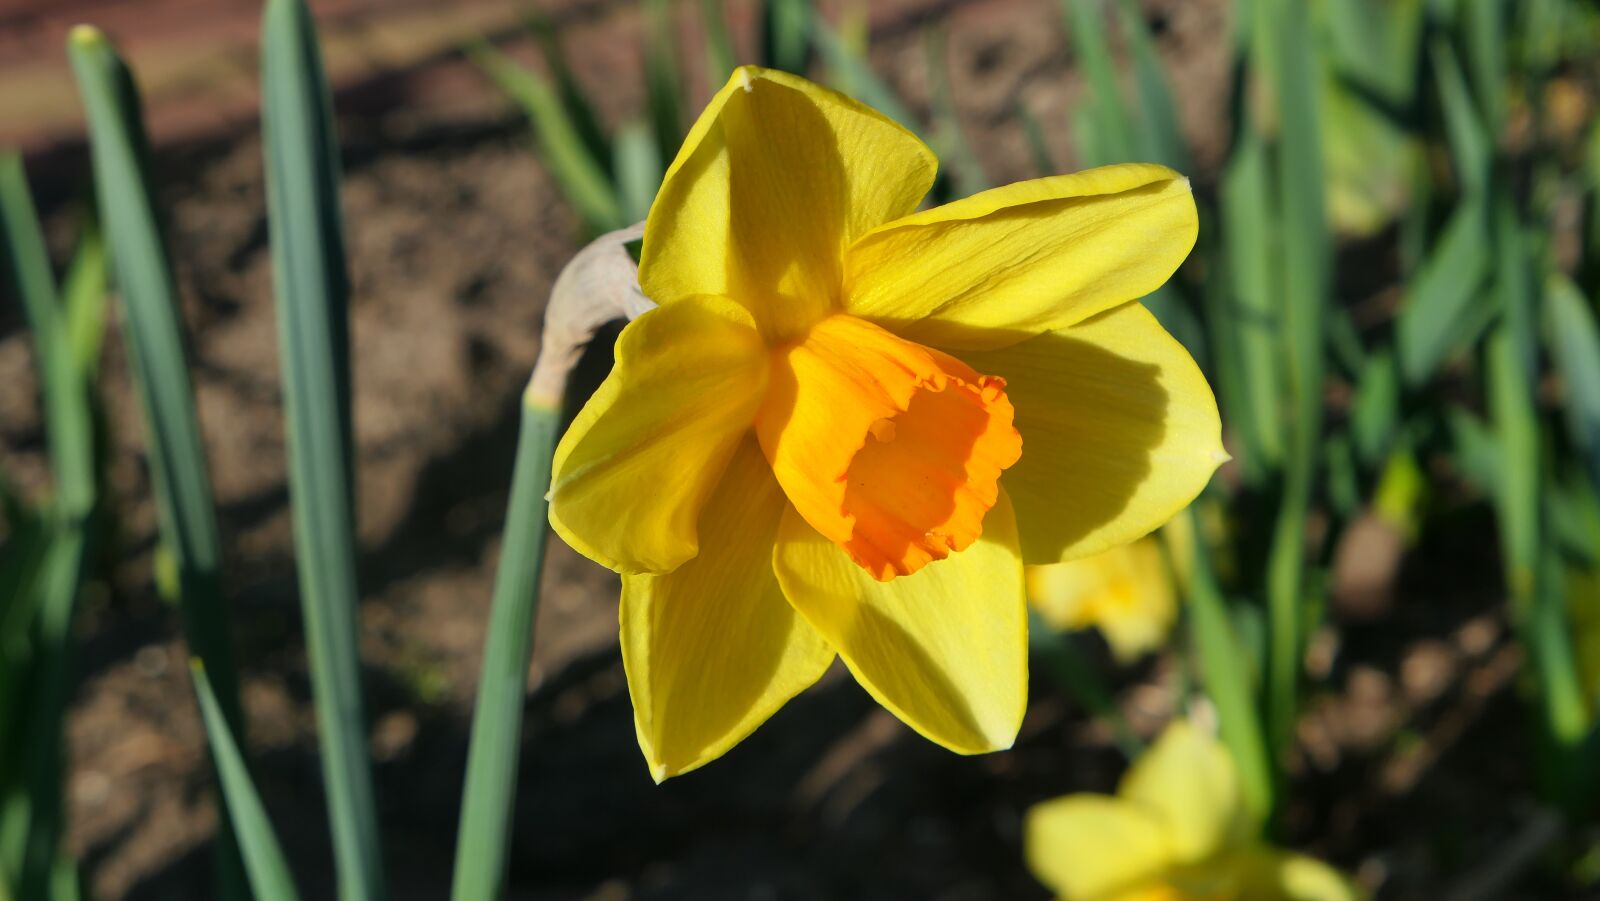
[1438, 317]
[1038, 147]
[1589, 266]
[852, 68]
[20, 557]
[955, 154]
[1484, 25]
[1517, 437]
[84, 297]
[639, 170]
[1416, 222]
[1567, 714]
[1514, 285]
[1306, 244]
[1471, 144]
[1572, 513]
[786, 35]
[1160, 137]
[1249, 234]
[1345, 348]
[313, 296]
[51, 569]
[1474, 450]
[1091, 48]
[1343, 480]
[1306, 241]
[720, 60]
[1227, 682]
[1375, 45]
[263, 859]
[663, 87]
[581, 176]
[484, 834]
[68, 427]
[154, 337]
[581, 111]
[1542, 22]
[1225, 335]
[30, 848]
[1375, 411]
[1574, 342]
[1088, 141]
[64, 881]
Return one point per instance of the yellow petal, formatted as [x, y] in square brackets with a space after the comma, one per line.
[1092, 846]
[776, 178]
[1124, 592]
[1187, 782]
[1301, 878]
[712, 649]
[1261, 873]
[644, 453]
[944, 649]
[1012, 262]
[1119, 432]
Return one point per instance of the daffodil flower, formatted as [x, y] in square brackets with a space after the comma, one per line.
[1124, 592]
[848, 423]
[1177, 830]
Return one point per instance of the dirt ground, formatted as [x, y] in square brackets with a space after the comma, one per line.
[1413, 761]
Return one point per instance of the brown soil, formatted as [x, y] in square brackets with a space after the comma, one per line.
[1413, 767]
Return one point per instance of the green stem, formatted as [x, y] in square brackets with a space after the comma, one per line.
[485, 830]
[1226, 680]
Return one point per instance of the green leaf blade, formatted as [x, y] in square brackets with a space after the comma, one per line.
[312, 293]
[263, 858]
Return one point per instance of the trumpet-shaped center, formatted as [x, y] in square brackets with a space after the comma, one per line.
[891, 450]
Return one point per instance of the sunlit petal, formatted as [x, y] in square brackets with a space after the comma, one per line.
[776, 178]
[642, 456]
[1012, 262]
[712, 649]
[1120, 428]
[944, 649]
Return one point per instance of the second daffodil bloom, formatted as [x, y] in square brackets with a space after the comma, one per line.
[1176, 830]
[1125, 592]
[848, 424]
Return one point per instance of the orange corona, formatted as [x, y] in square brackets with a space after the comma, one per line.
[891, 450]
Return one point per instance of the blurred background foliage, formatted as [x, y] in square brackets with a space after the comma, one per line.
[1394, 296]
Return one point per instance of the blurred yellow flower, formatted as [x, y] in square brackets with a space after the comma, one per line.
[1176, 830]
[814, 446]
[1125, 592]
